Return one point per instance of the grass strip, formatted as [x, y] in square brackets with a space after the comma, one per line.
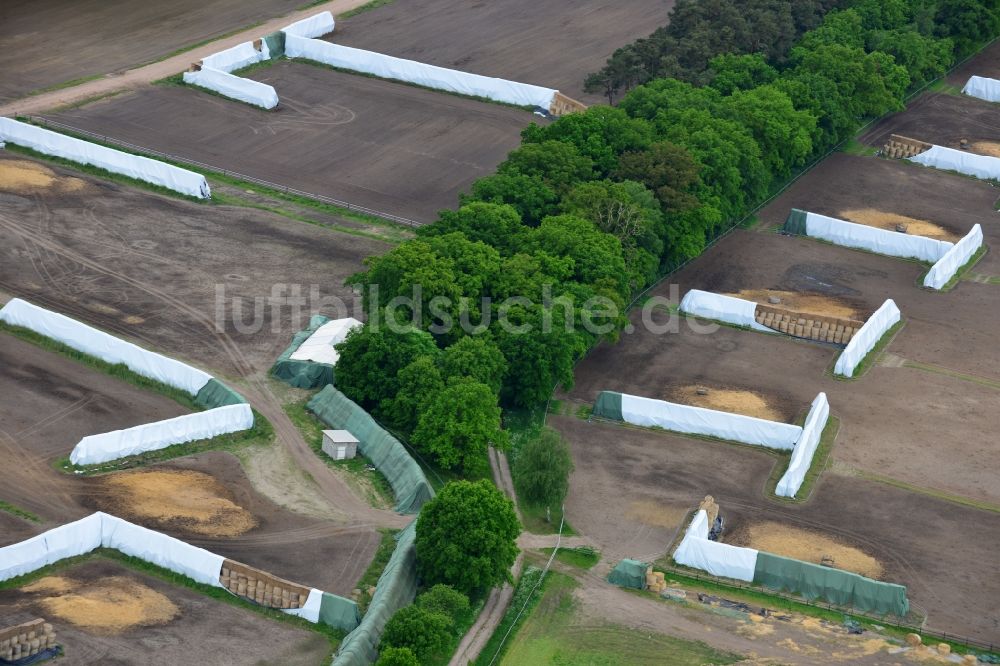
[938, 370]
[871, 358]
[820, 461]
[527, 594]
[19, 512]
[372, 482]
[581, 557]
[964, 268]
[368, 6]
[378, 564]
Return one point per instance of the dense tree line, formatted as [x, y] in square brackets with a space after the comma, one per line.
[594, 206]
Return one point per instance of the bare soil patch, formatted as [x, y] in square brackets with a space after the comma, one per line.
[807, 545]
[884, 220]
[26, 177]
[734, 401]
[656, 514]
[107, 606]
[188, 500]
[803, 302]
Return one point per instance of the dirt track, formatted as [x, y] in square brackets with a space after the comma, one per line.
[387, 146]
[941, 551]
[533, 42]
[205, 631]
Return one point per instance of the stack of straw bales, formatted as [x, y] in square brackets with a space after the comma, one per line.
[26, 640]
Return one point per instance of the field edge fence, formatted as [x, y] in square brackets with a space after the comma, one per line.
[321, 198]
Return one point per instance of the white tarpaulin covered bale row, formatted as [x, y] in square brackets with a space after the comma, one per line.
[805, 448]
[866, 338]
[873, 239]
[983, 88]
[727, 309]
[215, 75]
[970, 164]
[316, 25]
[318, 347]
[718, 559]
[110, 349]
[959, 255]
[76, 150]
[431, 76]
[101, 530]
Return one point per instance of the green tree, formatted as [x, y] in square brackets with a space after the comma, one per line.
[397, 656]
[459, 424]
[731, 72]
[478, 358]
[371, 358]
[446, 600]
[423, 632]
[666, 169]
[783, 132]
[558, 164]
[925, 58]
[542, 469]
[969, 23]
[466, 537]
[529, 196]
[497, 225]
[602, 133]
[417, 383]
[597, 256]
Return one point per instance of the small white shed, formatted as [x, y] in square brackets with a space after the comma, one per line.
[339, 444]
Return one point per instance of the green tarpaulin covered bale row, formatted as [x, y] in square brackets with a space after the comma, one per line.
[795, 223]
[835, 586]
[608, 406]
[629, 573]
[216, 394]
[385, 451]
[303, 374]
[339, 613]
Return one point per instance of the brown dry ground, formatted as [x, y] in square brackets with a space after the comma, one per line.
[201, 630]
[735, 401]
[46, 44]
[885, 220]
[804, 544]
[942, 552]
[384, 145]
[544, 43]
[50, 402]
[159, 270]
[804, 302]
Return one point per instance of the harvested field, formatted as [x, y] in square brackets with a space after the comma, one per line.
[205, 283]
[46, 44]
[190, 501]
[106, 613]
[388, 146]
[807, 545]
[545, 44]
[920, 541]
[890, 221]
[804, 302]
[27, 177]
[111, 605]
[734, 401]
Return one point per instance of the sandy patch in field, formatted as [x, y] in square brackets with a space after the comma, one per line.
[811, 546]
[734, 401]
[876, 218]
[802, 302]
[655, 514]
[24, 177]
[185, 499]
[104, 606]
[988, 148]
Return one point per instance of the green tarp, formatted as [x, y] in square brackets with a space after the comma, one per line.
[339, 612]
[303, 374]
[216, 394]
[275, 44]
[629, 573]
[608, 405]
[795, 223]
[395, 588]
[843, 588]
[385, 451]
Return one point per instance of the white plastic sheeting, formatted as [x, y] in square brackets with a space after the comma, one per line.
[94, 449]
[949, 159]
[318, 347]
[431, 76]
[236, 57]
[314, 26]
[805, 448]
[873, 239]
[100, 529]
[866, 338]
[234, 87]
[728, 309]
[67, 540]
[983, 88]
[165, 551]
[718, 559]
[709, 422]
[953, 259]
[310, 609]
[104, 346]
[77, 150]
